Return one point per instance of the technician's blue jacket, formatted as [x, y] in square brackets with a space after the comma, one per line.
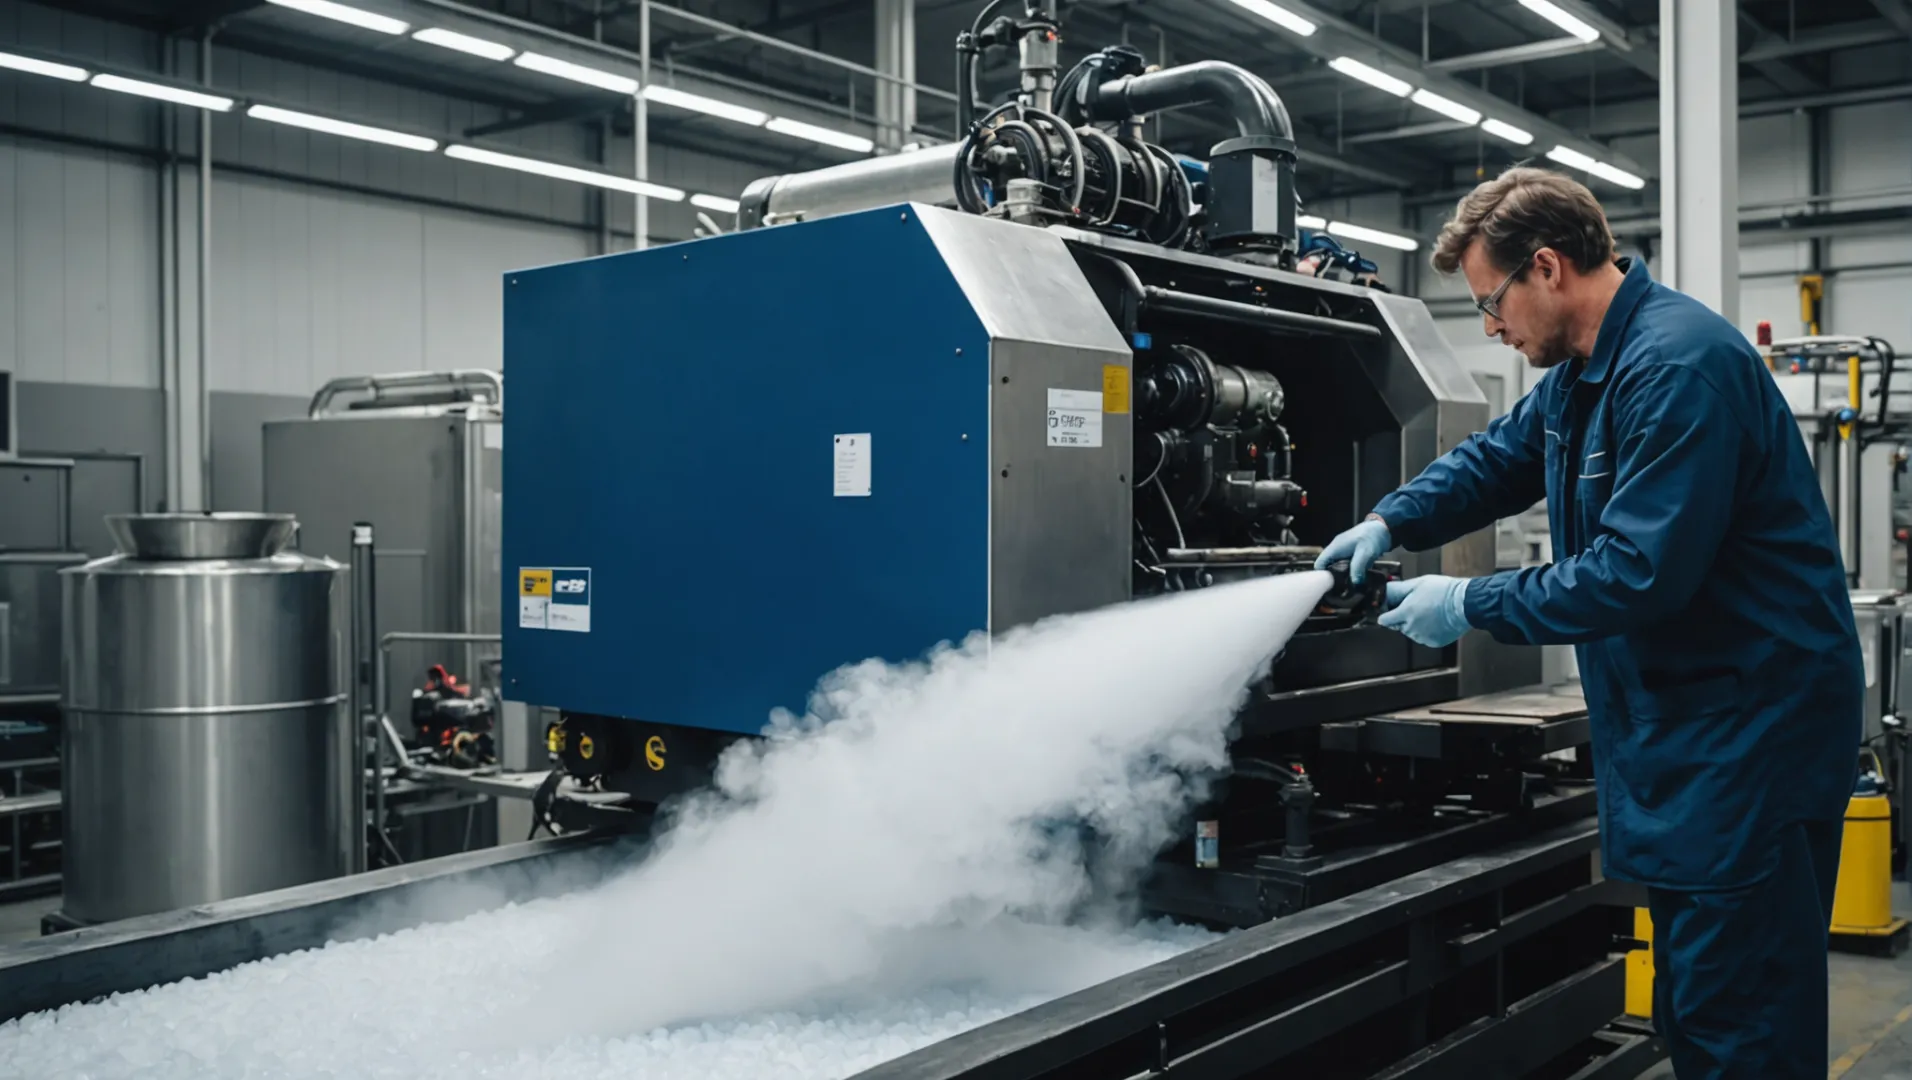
[1696, 571]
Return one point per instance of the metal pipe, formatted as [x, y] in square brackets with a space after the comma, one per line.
[486, 386]
[1170, 300]
[917, 176]
[641, 127]
[204, 449]
[1854, 528]
[1256, 108]
[778, 43]
[363, 580]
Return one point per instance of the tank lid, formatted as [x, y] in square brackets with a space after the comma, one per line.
[201, 536]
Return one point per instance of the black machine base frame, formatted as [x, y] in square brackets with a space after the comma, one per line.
[1503, 964]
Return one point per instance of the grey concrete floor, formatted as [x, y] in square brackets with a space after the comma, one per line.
[21, 920]
[1870, 1022]
[1870, 1025]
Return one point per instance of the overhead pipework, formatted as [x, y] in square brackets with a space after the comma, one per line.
[1070, 151]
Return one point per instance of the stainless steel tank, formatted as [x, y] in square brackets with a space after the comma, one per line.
[208, 750]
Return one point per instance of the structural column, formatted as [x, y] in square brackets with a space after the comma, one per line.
[895, 56]
[1699, 150]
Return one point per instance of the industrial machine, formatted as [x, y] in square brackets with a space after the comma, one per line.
[1049, 368]
[207, 747]
[414, 455]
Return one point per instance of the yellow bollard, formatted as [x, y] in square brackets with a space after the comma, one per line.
[1862, 919]
[1640, 968]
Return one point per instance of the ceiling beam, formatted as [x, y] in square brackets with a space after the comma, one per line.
[550, 112]
[1819, 39]
[1896, 12]
[1777, 70]
[1338, 37]
[1515, 54]
[1631, 46]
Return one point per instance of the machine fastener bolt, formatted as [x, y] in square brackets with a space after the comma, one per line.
[1005, 379]
[965, 436]
[959, 352]
[1005, 474]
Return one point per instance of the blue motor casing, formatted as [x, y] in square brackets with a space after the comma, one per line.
[686, 539]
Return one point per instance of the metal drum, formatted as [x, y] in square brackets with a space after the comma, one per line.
[208, 749]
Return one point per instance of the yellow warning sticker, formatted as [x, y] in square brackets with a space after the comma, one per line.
[1115, 388]
[534, 583]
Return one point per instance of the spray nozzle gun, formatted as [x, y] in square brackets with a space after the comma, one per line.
[1350, 602]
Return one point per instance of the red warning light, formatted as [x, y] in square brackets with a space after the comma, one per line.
[1765, 332]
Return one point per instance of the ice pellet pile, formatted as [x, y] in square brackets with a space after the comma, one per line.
[918, 856]
[440, 1001]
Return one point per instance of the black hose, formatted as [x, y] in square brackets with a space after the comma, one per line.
[1254, 105]
[967, 52]
[1080, 183]
[1185, 192]
[968, 197]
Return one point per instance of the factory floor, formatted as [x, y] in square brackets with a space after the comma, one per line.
[1871, 1019]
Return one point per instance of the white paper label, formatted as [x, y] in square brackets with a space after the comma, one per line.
[852, 465]
[493, 436]
[555, 598]
[1075, 417]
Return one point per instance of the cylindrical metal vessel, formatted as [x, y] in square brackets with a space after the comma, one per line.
[208, 751]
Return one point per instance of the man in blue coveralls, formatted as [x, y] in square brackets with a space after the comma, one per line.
[1697, 572]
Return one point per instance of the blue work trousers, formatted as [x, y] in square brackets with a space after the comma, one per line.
[1740, 975]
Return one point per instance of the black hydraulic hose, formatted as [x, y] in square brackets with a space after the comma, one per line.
[1254, 105]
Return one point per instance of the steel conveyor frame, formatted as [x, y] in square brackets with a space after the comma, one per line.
[1265, 1000]
[1395, 955]
[85, 964]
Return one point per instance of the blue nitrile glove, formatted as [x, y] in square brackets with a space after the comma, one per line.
[1430, 610]
[1360, 545]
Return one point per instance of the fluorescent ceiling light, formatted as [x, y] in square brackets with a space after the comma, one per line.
[1572, 158]
[42, 67]
[1575, 159]
[1309, 221]
[163, 93]
[1380, 80]
[326, 9]
[1500, 129]
[464, 43]
[682, 99]
[1278, 15]
[565, 69]
[341, 127]
[1560, 17]
[565, 172]
[1453, 110]
[785, 126]
[1617, 176]
[1373, 236]
[714, 202]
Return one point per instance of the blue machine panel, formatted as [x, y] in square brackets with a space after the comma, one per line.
[676, 550]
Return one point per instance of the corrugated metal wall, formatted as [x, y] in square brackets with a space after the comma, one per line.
[329, 256]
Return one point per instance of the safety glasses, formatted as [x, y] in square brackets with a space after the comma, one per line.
[1490, 306]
